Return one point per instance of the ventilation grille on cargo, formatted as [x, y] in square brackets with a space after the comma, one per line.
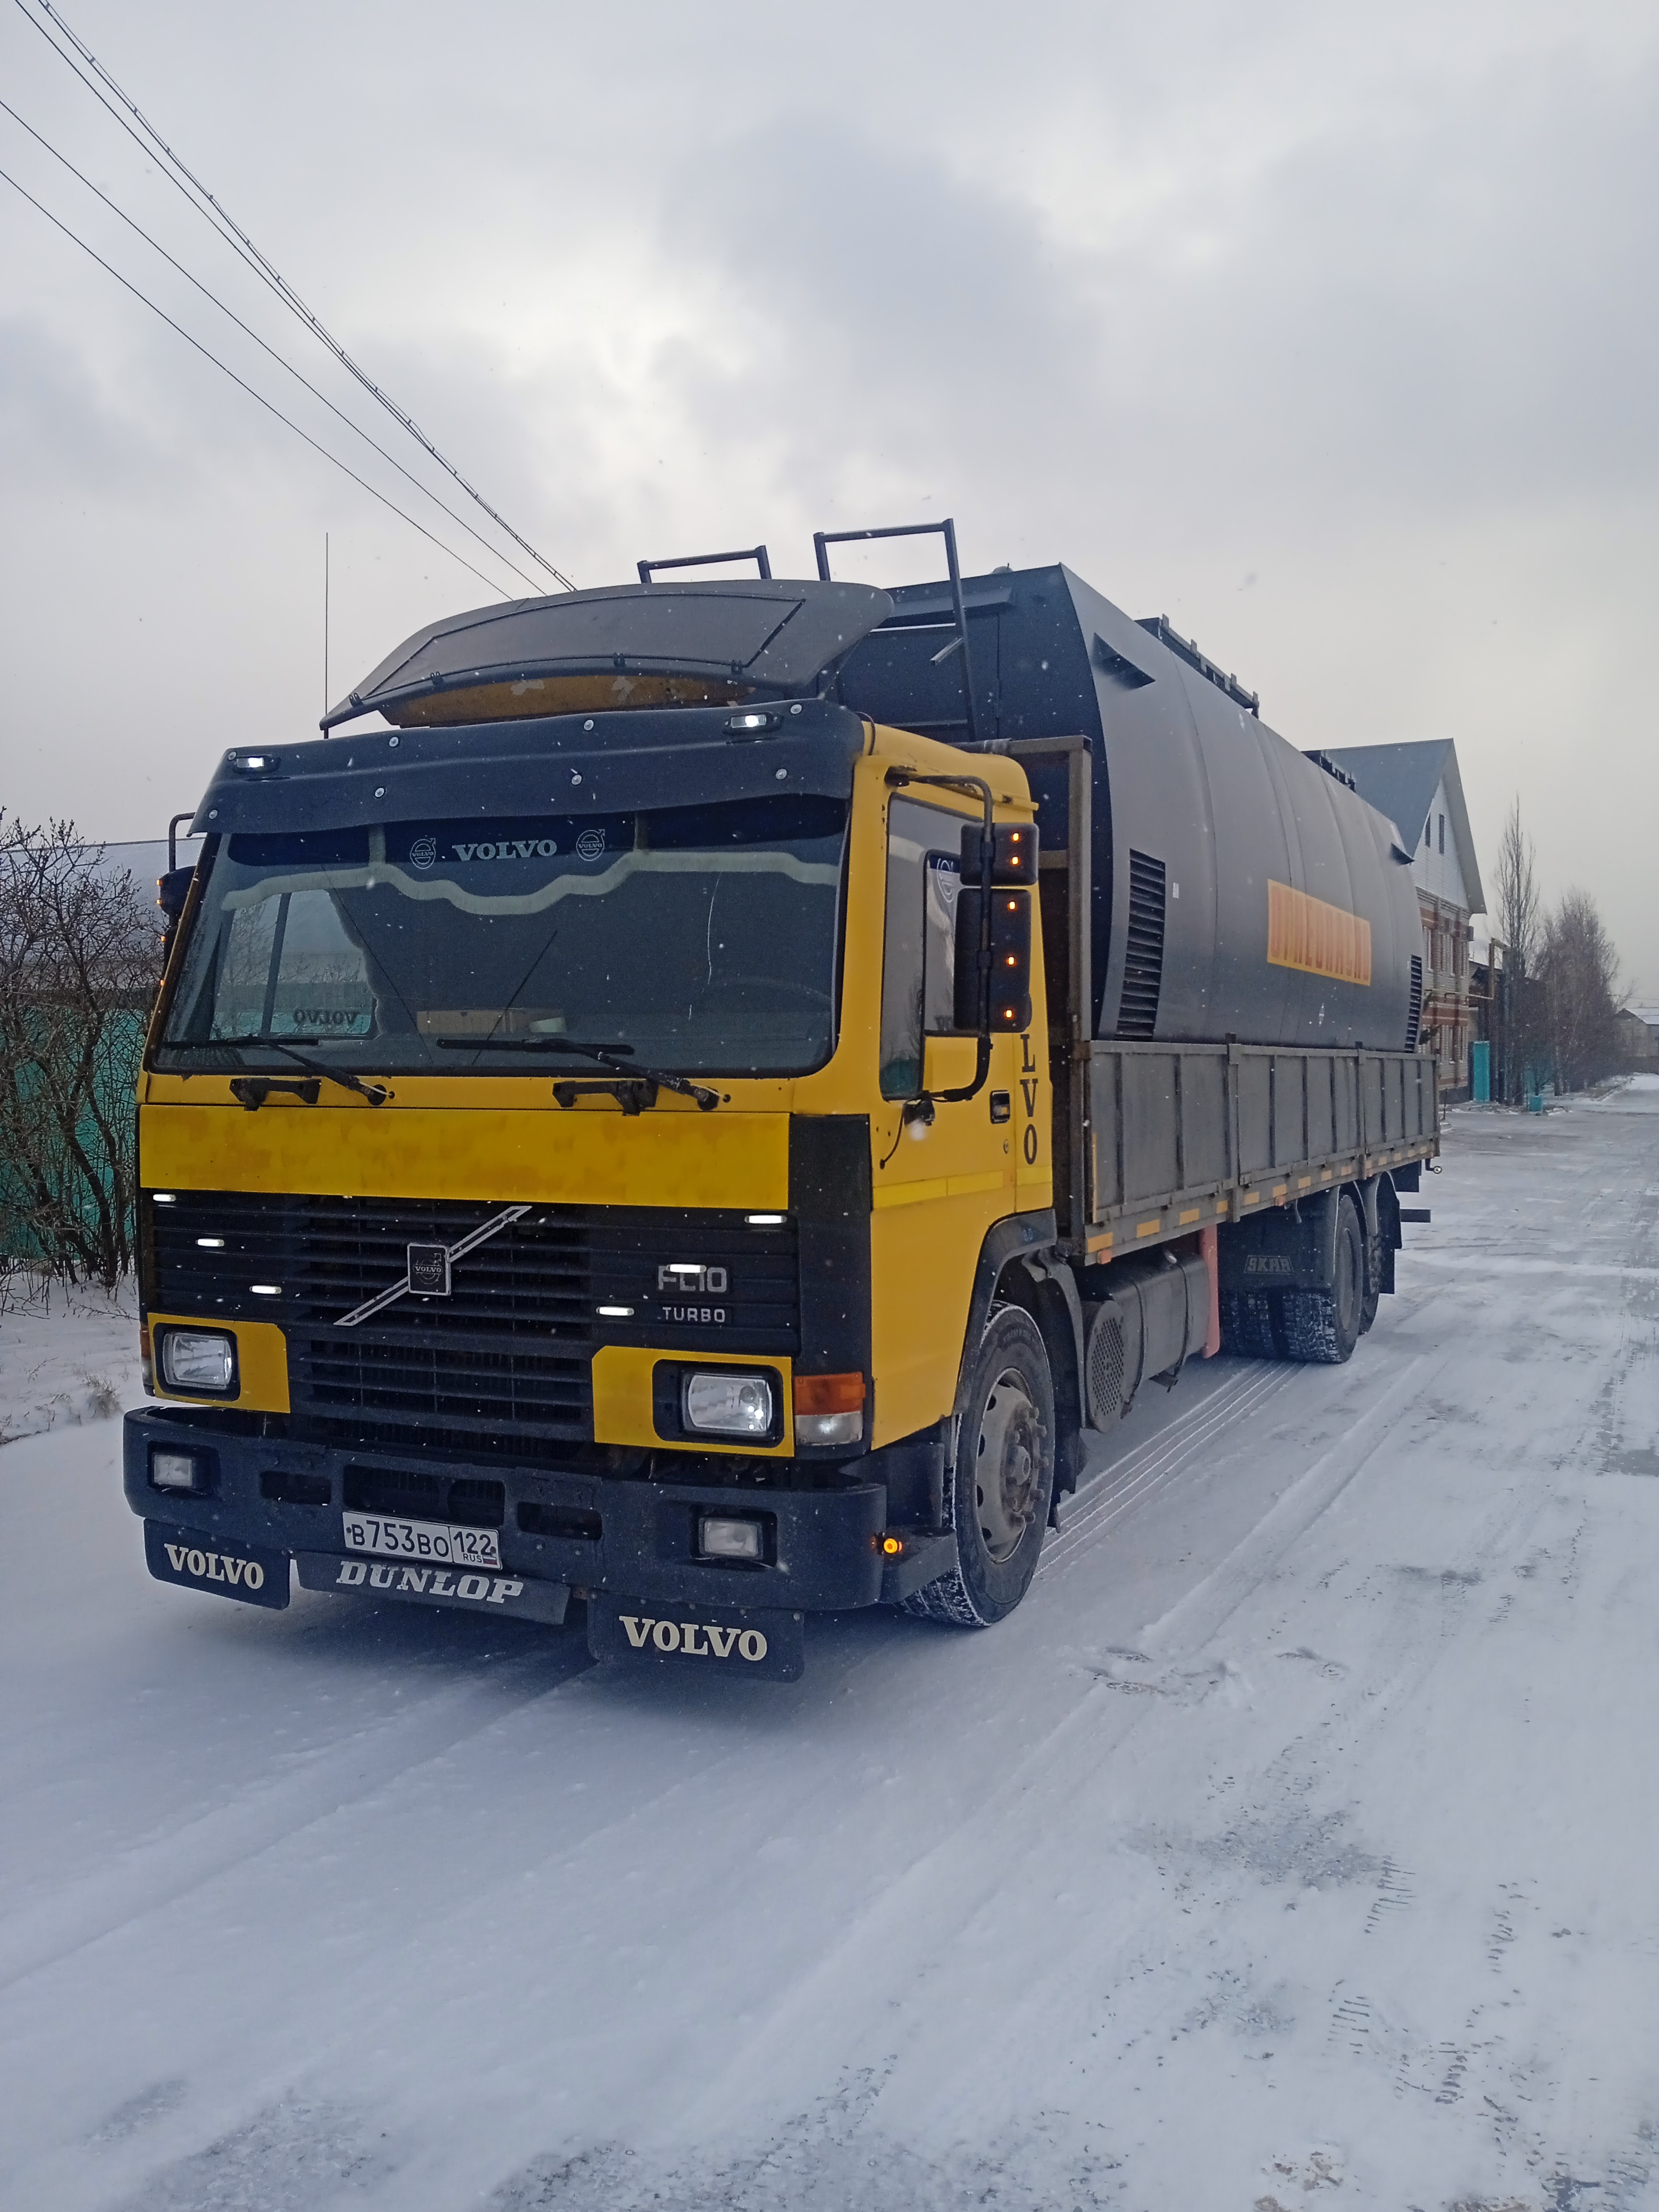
[1143, 965]
[1414, 1017]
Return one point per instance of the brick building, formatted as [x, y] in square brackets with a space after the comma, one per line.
[1419, 789]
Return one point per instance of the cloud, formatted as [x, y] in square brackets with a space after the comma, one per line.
[1355, 305]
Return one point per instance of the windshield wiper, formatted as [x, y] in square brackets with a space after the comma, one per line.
[618, 1056]
[376, 1093]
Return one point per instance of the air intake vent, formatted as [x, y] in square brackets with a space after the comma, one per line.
[1143, 965]
[1413, 1019]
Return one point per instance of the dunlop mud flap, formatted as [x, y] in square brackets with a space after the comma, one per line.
[717, 1639]
[496, 1591]
[196, 1559]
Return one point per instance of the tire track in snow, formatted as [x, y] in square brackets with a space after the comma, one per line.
[1155, 1464]
[1202, 1612]
[902, 1923]
[156, 1873]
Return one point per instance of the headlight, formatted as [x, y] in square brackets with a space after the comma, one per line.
[728, 1404]
[198, 1359]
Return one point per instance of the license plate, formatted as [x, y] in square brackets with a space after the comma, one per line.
[430, 1543]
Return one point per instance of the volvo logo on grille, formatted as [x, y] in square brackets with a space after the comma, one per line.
[428, 1270]
[426, 1267]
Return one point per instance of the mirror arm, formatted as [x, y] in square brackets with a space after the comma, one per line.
[982, 1073]
[982, 792]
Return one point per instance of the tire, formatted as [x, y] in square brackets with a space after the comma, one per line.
[1321, 1328]
[1004, 1480]
[1250, 1325]
[1373, 1298]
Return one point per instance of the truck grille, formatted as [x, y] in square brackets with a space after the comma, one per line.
[502, 1365]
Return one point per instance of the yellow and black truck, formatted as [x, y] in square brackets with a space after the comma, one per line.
[701, 1097]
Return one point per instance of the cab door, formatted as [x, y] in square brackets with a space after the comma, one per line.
[945, 1172]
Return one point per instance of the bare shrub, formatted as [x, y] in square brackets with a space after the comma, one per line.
[78, 971]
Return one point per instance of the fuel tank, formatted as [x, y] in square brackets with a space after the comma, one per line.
[1241, 890]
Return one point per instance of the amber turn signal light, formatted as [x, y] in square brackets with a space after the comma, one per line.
[828, 1394]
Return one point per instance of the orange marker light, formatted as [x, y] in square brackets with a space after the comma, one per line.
[891, 1545]
[828, 1394]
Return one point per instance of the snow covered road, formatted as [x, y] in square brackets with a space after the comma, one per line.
[1291, 1846]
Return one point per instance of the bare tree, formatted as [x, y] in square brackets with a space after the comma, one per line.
[79, 961]
[1518, 915]
[1517, 929]
[1578, 969]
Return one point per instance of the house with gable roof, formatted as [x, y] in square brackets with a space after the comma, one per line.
[1418, 787]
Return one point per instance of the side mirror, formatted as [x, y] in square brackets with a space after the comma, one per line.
[1001, 1001]
[172, 890]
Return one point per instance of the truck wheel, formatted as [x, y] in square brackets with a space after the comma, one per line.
[1249, 1325]
[1323, 1326]
[1373, 1298]
[1004, 1478]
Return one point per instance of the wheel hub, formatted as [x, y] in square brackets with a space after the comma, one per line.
[1007, 1466]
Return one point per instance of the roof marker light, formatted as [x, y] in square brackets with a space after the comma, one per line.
[764, 1220]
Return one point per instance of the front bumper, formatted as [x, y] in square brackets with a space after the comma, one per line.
[630, 1537]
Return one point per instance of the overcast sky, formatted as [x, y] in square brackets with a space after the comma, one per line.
[1329, 332]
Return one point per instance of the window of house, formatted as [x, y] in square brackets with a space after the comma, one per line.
[1443, 833]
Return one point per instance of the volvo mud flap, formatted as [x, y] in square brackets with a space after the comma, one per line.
[720, 1640]
[201, 1560]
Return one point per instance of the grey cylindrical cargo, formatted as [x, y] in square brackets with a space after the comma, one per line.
[1198, 808]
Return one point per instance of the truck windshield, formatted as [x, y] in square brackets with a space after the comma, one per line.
[703, 940]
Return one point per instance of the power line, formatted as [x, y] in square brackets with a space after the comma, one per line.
[126, 283]
[197, 193]
[425, 491]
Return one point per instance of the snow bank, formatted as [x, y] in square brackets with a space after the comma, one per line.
[67, 1360]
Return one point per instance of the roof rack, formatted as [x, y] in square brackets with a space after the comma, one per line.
[823, 539]
[755, 553]
[1184, 649]
[1324, 761]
